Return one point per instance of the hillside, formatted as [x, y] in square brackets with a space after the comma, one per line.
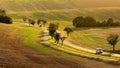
[61, 9]
[17, 51]
[22, 5]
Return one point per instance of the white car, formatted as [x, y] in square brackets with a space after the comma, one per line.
[99, 51]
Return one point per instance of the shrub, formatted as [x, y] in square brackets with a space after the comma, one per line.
[5, 19]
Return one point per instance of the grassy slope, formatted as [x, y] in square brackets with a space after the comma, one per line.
[91, 38]
[95, 37]
[60, 9]
[64, 10]
[35, 54]
[31, 54]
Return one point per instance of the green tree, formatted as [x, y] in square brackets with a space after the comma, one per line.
[32, 22]
[112, 40]
[89, 22]
[44, 22]
[52, 29]
[57, 37]
[110, 22]
[5, 19]
[78, 21]
[68, 30]
[39, 22]
[24, 19]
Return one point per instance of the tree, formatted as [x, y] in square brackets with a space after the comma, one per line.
[110, 22]
[44, 22]
[52, 29]
[62, 39]
[104, 23]
[5, 19]
[112, 40]
[68, 30]
[57, 37]
[78, 21]
[32, 22]
[39, 22]
[89, 22]
[24, 19]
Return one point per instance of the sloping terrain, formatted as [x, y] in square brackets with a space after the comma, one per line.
[27, 5]
[61, 9]
[13, 54]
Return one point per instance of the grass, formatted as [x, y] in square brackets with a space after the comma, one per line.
[31, 39]
[31, 35]
[63, 12]
[90, 38]
[79, 52]
[94, 38]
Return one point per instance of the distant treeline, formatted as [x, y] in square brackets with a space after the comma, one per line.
[4, 18]
[91, 22]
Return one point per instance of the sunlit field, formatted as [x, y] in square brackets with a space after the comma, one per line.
[25, 40]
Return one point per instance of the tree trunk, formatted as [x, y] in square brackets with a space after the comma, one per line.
[113, 48]
[67, 34]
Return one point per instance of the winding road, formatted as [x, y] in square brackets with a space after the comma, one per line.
[75, 46]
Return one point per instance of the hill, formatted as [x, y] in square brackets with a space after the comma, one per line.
[17, 51]
[22, 5]
[61, 9]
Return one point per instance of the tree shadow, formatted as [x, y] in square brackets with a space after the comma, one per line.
[116, 51]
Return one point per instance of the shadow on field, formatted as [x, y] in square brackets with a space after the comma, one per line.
[116, 51]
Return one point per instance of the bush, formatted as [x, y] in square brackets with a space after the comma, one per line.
[5, 19]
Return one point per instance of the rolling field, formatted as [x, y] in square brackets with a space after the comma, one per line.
[95, 38]
[90, 38]
[19, 48]
[61, 9]
[69, 14]
[20, 44]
